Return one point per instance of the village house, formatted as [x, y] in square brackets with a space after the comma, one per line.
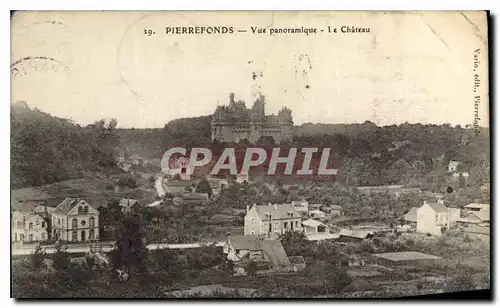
[453, 166]
[191, 198]
[433, 218]
[75, 220]
[332, 210]
[130, 206]
[312, 227]
[393, 190]
[271, 220]
[346, 235]
[178, 187]
[301, 206]
[28, 228]
[476, 207]
[481, 217]
[242, 178]
[242, 249]
[411, 216]
[317, 214]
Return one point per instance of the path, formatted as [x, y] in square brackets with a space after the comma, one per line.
[23, 251]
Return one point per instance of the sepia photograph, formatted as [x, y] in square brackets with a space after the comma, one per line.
[250, 154]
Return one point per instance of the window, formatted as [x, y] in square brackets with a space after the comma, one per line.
[22, 237]
[83, 223]
[91, 234]
[74, 236]
[58, 221]
[30, 226]
[290, 214]
[15, 237]
[92, 221]
[237, 251]
[86, 209]
[19, 224]
[80, 210]
[43, 237]
[30, 238]
[286, 224]
[296, 224]
[43, 224]
[74, 223]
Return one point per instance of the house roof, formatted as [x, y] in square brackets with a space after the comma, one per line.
[317, 212]
[245, 242]
[277, 211]
[315, 205]
[481, 206]
[411, 215]
[438, 207]
[275, 252]
[125, 202]
[32, 216]
[43, 209]
[355, 233]
[195, 196]
[67, 205]
[312, 223]
[335, 207]
[483, 215]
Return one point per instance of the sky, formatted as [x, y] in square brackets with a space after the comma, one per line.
[414, 67]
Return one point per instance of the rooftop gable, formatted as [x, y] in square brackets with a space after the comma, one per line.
[276, 211]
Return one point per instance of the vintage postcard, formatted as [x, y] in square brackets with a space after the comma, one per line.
[255, 154]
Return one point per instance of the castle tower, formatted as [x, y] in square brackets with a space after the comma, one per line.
[257, 118]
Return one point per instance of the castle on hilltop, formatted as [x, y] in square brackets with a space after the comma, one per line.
[234, 122]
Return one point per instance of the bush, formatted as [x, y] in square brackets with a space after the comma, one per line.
[128, 181]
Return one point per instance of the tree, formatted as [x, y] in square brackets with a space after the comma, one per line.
[37, 258]
[60, 259]
[130, 252]
[251, 268]
[295, 243]
[204, 187]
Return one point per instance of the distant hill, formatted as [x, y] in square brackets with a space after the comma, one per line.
[47, 149]
[152, 143]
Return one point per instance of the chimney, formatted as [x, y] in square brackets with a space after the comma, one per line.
[228, 237]
[248, 208]
[425, 202]
[275, 207]
[441, 201]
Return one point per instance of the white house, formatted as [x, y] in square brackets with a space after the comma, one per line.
[311, 227]
[75, 220]
[433, 218]
[453, 166]
[28, 228]
[271, 220]
[317, 214]
[35, 228]
[476, 207]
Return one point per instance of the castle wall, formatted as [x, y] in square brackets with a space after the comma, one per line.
[252, 124]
